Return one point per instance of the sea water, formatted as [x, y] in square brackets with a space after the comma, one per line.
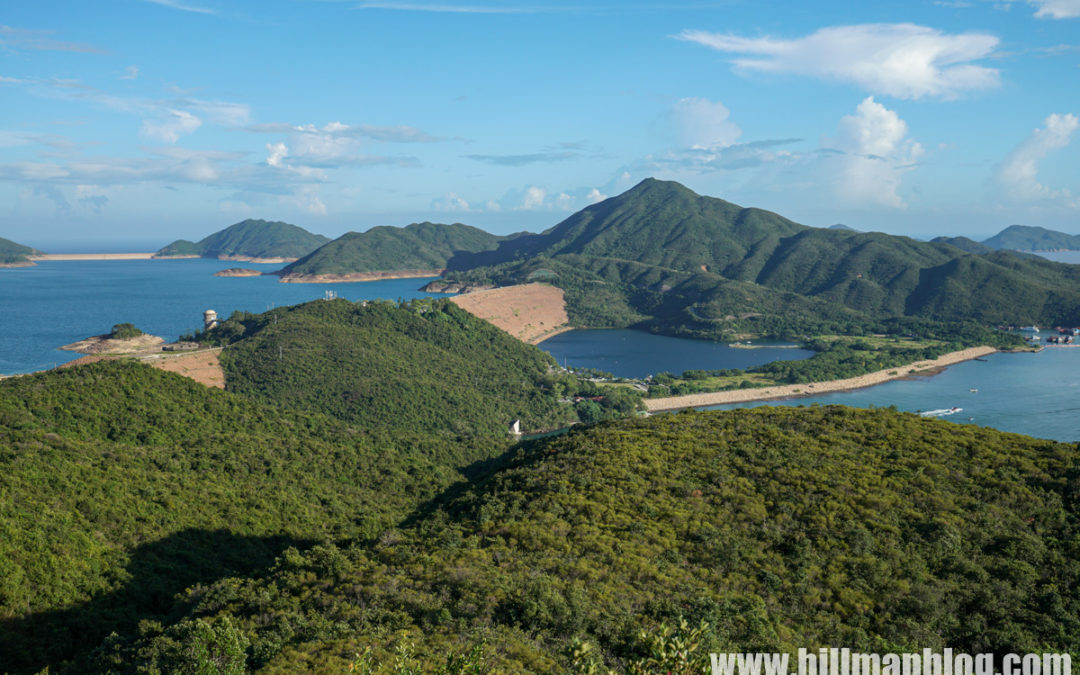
[59, 302]
[1037, 394]
[635, 353]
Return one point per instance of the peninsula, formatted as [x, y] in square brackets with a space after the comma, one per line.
[929, 366]
[16, 255]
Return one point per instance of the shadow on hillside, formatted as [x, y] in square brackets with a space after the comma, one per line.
[156, 573]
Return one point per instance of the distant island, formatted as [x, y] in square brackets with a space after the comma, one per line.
[257, 241]
[1030, 238]
[16, 255]
[238, 272]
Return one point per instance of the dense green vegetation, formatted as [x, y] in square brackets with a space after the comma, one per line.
[124, 331]
[10, 252]
[1029, 238]
[776, 527]
[662, 257]
[426, 365]
[122, 485]
[420, 246]
[250, 239]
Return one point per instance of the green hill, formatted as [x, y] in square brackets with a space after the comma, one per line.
[663, 256]
[777, 527]
[1028, 238]
[250, 239]
[426, 365]
[123, 485]
[420, 246]
[11, 253]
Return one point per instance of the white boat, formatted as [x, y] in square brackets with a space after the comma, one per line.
[940, 412]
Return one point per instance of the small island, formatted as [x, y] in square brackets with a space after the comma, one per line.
[238, 272]
[123, 339]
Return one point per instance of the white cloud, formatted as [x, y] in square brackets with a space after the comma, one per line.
[450, 202]
[1017, 176]
[534, 198]
[176, 124]
[901, 60]
[702, 123]
[874, 154]
[595, 196]
[130, 73]
[278, 151]
[1057, 9]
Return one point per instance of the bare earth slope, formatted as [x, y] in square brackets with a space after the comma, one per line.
[531, 312]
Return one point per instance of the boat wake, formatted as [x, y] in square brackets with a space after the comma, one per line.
[940, 413]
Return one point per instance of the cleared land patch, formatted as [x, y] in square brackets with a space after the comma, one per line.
[529, 312]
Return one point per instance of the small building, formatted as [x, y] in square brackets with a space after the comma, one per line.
[210, 319]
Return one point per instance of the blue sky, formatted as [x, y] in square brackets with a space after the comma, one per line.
[150, 120]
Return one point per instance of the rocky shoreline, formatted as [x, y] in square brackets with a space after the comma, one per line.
[238, 272]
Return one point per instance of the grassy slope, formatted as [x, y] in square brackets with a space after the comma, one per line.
[416, 246]
[251, 238]
[781, 528]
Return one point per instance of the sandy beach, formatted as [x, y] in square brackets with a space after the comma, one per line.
[93, 256]
[795, 390]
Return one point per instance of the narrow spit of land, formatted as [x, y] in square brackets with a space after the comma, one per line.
[92, 256]
[814, 388]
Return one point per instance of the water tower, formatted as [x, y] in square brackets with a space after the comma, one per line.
[209, 319]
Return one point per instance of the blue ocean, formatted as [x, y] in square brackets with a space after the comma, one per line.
[59, 302]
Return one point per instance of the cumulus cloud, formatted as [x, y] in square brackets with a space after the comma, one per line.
[450, 202]
[177, 123]
[336, 145]
[873, 154]
[595, 196]
[278, 151]
[900, 60]
[702, 123]
[1017, 176]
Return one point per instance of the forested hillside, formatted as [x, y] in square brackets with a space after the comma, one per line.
[1031, 238]
[123, 485]
[420, 246]
[662, 256]
[776, 527]
[250, 239]
[10, 252]
[425, 365]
